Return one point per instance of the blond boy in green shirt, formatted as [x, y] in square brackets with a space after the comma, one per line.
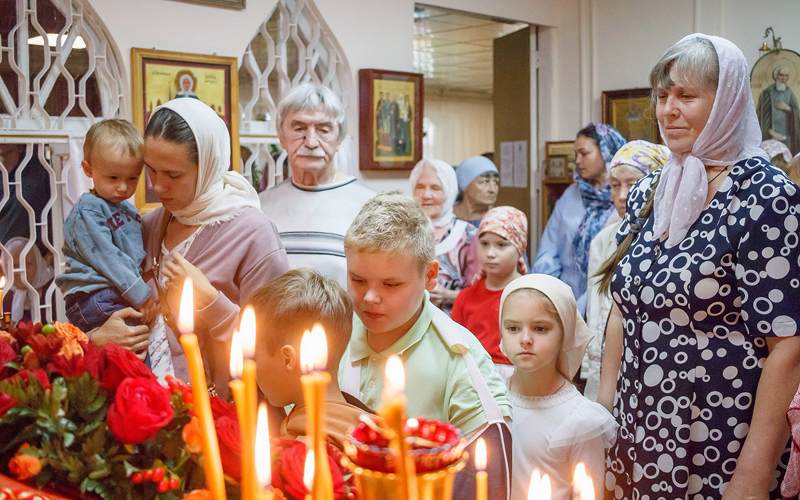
[449, 376]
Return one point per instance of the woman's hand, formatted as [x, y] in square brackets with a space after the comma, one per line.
[116, 331]
[177, 269]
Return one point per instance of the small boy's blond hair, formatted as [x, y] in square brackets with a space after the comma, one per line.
[392, 222]
[291, 303]
[119, 134]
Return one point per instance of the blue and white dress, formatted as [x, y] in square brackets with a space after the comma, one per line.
[695, 321]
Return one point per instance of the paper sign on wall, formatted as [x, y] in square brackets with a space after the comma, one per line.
[506, 164]
[520, 164]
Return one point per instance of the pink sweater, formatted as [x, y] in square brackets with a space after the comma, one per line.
[237, 256]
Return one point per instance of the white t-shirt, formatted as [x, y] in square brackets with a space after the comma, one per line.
[553, 434]
[312, 222]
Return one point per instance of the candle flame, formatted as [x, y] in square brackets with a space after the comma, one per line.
[247, 326]
[539, 488]
[395, 376]
[314, 350]
[308, 470]
[236, 362]
[480, 455]
[263, 455]
[186, 311]
[2, 283]
[582, 483]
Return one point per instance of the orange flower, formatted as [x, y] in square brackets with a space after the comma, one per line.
[73, 337]
[24, 467]
[192, 436]
[198, 495]
[30, 360]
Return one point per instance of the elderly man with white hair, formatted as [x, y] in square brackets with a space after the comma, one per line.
[315, 206]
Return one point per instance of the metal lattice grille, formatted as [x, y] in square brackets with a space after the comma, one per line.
[293, 46]
[58, 74]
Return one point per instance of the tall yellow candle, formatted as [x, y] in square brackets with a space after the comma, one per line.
[238, 391]
[393, 413]
[2, 290]
[263, 457]
[313, 359]
[212, 466]
[539, 488]
[247, 328]
[481, 478]
[582, 484]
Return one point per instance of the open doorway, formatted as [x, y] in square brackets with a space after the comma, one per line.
[454, 50]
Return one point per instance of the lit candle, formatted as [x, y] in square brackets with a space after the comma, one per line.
[393, 413]
[308, 472]
[238, 392]
[539, 488]
[263, 458]
[212, 466]
[2, 290]
[313, 359]
[582, 484]
[481, 478]
[247, 327]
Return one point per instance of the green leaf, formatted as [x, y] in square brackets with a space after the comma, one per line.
[90, 485]
[69, 438]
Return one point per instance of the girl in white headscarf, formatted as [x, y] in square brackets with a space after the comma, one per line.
[705, 293]
[554, 427]
[435, 186]
[209, 228]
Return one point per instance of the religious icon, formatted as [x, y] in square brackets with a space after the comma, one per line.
[775, 82]
[391, 109]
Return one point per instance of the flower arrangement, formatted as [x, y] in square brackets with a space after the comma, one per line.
[90, 421]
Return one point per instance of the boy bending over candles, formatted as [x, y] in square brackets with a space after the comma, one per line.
[391, 267]
[286, 307]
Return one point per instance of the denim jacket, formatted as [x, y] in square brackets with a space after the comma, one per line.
[103, 248]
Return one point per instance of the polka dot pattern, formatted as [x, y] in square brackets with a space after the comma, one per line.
[695, 318]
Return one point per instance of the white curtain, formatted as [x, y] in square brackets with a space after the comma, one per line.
[458, 128]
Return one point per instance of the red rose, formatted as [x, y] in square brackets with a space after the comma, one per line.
[230, 445]
[140, 409]
[288, 475]
[117, 364]
[38, 374]
[6, 403]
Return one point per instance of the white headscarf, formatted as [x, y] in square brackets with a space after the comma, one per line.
[220, 193]
[447, 176]
[576, 333]
[22, 295]
[731, 134]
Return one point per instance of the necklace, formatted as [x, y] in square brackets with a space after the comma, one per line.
[720, 173]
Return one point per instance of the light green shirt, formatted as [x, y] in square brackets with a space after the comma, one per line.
[438, 381]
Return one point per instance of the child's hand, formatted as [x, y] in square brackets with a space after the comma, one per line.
[150, 310]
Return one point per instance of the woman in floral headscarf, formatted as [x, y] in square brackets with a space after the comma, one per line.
[581, 212]
[633, 161]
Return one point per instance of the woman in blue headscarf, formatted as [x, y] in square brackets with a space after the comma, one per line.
[581, 212]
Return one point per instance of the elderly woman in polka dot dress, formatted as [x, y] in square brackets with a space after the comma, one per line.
[704, 328]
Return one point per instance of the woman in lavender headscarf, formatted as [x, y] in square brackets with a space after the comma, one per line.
[705, 291]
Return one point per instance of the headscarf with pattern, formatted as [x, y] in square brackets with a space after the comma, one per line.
[597, 202]
[644, 156]
[510, 224]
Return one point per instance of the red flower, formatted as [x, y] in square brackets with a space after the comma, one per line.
[38, 374]
[287, 476]
[140, 409]
[230, 445]
[24, 467]
[68, 367]
[180, 387]
[7, 354]
[6, 403]
[117, 363]
[45, 346]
